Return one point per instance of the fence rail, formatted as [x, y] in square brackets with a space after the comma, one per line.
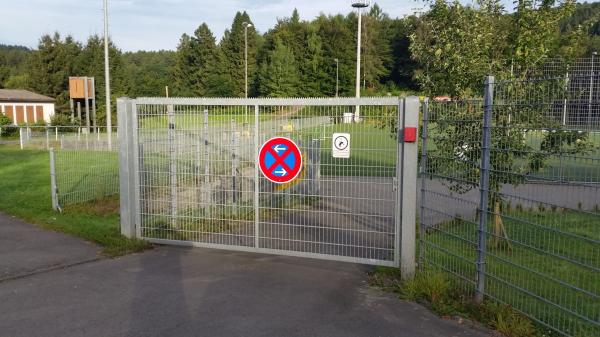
[510, 201]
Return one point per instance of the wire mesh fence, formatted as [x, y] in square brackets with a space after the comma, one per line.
[515, 217]
[575, 90]
[59, 137]
[79, 176]
[84, 165]
[199, 180]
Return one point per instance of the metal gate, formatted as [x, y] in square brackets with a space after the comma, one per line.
[189, 176]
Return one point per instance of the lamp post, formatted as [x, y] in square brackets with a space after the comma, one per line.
[107, 77]
[246, 26]
[359, 5]
[337, 77]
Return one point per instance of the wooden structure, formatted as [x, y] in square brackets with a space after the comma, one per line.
[83, 90]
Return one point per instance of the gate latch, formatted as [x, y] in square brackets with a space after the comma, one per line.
[395, 184]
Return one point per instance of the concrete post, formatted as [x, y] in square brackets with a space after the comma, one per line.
[408, 125]
[127, 171]
[53, 186]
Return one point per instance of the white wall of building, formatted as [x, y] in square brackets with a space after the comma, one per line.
[48, 111]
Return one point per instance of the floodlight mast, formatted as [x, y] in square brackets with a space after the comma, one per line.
[359, 5]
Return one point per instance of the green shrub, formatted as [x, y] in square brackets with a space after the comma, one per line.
[6, 126]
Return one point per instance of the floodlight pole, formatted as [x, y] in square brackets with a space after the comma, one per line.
[358, 5]
[107, 78]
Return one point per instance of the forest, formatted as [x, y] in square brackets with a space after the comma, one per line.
[446, 50]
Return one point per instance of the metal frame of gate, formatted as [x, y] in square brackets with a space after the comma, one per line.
[189, 176]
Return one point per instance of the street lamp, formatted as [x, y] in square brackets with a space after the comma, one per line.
[359, 5]
[337, 77]
[246, 26]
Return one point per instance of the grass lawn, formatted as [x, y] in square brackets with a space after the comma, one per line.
[25, 193]
[552, 267]
[373, 152]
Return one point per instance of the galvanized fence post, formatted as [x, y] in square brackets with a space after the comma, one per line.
[423, 177]
[127, 173]
[484, 188]
[53, 186]
[207, 188]
[408, 123]
[172, 163]
[256, 182]
[234, 165]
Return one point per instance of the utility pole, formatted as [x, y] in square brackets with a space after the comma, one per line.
[107, 78]
[359, 5]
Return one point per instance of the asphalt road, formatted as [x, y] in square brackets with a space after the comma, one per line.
[197, 292]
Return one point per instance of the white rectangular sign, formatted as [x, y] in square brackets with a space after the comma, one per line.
[340, 146]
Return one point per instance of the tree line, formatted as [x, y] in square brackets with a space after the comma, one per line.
[447, 50]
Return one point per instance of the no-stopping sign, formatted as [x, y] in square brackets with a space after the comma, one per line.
[280, 160]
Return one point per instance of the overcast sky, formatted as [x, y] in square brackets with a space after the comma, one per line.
[157, 24]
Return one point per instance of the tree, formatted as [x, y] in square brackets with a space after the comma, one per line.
[279, 76]
[232, 46]
[457, 46]
[376, 51]
[196, 63]
[536, 27]
[91, 63]
[50, 67]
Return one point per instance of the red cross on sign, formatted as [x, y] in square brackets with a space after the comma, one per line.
[280, 160]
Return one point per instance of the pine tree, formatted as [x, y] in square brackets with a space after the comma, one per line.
[50, 67]
[196, 63]
[279, 76]
[232, 45]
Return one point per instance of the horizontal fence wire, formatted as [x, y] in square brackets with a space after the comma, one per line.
[542, 252]
[200, 182]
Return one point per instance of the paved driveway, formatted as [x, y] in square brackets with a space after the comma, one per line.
[26, 249]
[199, 292]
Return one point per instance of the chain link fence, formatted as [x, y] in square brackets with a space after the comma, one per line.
[510, 202]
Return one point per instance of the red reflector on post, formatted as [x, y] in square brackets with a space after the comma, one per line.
[410, 135]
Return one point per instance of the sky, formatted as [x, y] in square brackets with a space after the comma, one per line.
[158, 24]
